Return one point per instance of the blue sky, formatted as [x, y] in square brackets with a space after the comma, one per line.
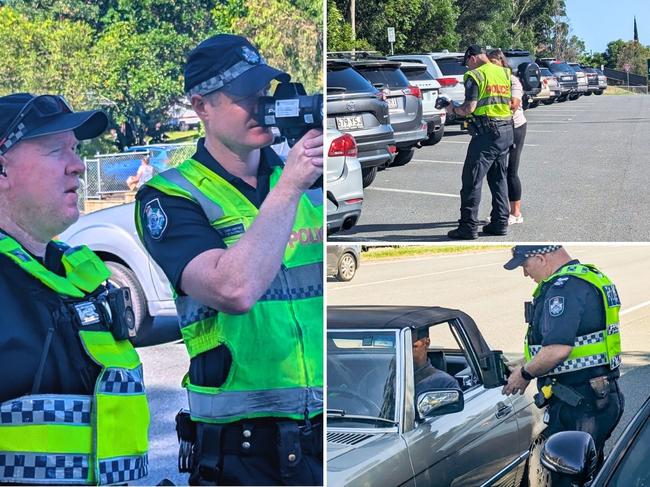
[598, 22]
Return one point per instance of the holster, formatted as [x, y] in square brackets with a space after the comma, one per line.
[186, 432]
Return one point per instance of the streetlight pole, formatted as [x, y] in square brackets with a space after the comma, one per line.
[353, 19]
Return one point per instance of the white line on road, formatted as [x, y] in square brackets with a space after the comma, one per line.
[547, 121]
[413, 191]
[455, 141]
[417, 276]
[546, 132]
[566, 115]
[439, 162]
[634, 308]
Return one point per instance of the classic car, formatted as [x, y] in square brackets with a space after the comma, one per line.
[379, 433]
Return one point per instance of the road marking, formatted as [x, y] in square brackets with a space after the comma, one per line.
[567, 116]
[417, 276]
[634, 308]
[439, 162]
[546, 132]
[413, 191]
[455, 141]
[548, 121]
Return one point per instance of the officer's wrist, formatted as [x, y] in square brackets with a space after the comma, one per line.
[526, 375]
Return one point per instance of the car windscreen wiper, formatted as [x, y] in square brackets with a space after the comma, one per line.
[340, 414]
[336, 89]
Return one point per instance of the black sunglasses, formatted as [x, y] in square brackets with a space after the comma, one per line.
[42, 106]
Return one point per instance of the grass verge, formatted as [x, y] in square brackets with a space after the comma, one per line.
[418, 250]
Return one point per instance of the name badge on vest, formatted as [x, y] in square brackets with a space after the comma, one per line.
[231, 230]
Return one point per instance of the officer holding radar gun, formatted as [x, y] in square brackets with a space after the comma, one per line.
[239, 233]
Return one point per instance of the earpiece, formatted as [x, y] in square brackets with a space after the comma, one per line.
[2, 171]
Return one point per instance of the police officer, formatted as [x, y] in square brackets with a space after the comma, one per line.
[573, 345]
[239, 235]
[72, 403]
[487, 104]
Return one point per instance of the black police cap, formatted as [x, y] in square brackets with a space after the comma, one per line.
[473, 50]
[231, 63]
[521, 252]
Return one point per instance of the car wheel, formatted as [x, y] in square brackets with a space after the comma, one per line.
[525, 103]
[347, 267]
[403, 157]
[562, 99]
[534, 104]
[368, 174]
[435, 137]
[599, 92]
[122, 276]
[573, 97]
[588, 93]
[548, 102]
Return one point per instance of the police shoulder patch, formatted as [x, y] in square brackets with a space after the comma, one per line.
[155, 218]
[556, 306]
[560, 282]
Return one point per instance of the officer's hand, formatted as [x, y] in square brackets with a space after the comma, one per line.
[304, 164]
[516, 364]
[516, 383]
[450, 109]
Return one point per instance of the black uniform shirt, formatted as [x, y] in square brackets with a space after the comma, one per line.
[187, 233]
[568, 307]
[471, 89]
[28, 310]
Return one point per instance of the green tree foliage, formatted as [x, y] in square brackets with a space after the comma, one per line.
[636, 55]
[339, 32]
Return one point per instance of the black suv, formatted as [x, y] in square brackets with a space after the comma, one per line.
[566, 77]
[404, 103]
[526, 69]
[358, 108]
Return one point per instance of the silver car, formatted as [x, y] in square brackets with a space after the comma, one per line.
[344, 182]
[380, 433]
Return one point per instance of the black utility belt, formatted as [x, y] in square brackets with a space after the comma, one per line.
[502, 123]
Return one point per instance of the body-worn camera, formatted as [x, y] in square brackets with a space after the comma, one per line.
[291, 110]
[112, 309]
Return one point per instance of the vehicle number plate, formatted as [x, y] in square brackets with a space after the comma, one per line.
[392, 103]
[428, 95]
[350, 122]
[567, 78]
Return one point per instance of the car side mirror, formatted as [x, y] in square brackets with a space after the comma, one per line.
[439, 402]
[494, 370]
[571, 457]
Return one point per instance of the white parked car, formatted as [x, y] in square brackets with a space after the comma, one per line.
[344, 182]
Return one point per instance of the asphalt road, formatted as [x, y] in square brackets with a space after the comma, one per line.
[477, 284]
[583, 171]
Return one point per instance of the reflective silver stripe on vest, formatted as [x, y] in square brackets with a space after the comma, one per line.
[123, 469]
[493, 100]
[315, 196]
[46, 409]
[300, 282]
[190, 311]
[234, 404]
[211, 209]
[122, 381]
[580, 362]
[40, 468]
[479, 76]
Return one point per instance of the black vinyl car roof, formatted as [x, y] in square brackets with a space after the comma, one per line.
[385, 317]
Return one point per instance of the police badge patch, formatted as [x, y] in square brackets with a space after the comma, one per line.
[250, 56]
[156, 218]
[556, 306]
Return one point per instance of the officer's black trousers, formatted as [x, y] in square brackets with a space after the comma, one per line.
[487, 155]
[598, 417]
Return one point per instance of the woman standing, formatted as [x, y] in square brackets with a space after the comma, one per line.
[496, 56]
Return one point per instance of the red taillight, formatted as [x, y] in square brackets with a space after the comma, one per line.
[353, 201]
[545, 82]
[392, 149]
[447, 82]
[413, 90]
[345, 145]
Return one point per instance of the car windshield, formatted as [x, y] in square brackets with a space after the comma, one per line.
[361, 378]
[389, 77]
[545, 72]
[560, 68]
[633, 468]
[451, 66]
[348, 79]
[515, 61]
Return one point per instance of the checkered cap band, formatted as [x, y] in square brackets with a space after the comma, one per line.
[37, 468]
[222, 79]
[13, 138]
[122, 381]
[542, 250]
[123, 469]
[46, 409]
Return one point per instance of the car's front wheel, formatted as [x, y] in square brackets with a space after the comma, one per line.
[122, 276]
[368, 175]
[347, 267]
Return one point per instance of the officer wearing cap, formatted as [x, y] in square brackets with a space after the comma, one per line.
[572, 341]
[239, 235]
[487, 104]
[73, 410]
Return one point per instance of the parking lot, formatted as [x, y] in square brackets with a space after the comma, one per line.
[477, 284]
[583, 171]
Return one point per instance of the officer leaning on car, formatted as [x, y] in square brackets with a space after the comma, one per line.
[72, 403]
[487, 103]
[240, 237]
[573, 344]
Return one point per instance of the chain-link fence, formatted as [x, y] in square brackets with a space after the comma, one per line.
[105, 180]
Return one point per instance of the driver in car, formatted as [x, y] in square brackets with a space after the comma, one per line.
[427, 377]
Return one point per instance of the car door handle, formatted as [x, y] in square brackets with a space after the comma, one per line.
[503, 410]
